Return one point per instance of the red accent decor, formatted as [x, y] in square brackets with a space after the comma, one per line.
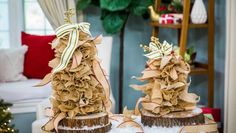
[167, 19]
[38, 55]
[214, 111]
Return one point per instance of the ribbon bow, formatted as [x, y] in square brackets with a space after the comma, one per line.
[158, 50]
[73, 30]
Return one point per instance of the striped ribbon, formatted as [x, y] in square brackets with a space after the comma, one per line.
[159, 50]
[73, 31]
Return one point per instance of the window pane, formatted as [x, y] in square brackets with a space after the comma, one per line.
[4, 16]
[4, 40]
[34, 18]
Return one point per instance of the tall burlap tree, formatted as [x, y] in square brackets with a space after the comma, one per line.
[80, 95]
[167, 101]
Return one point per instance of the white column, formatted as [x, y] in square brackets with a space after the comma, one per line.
[230, 68]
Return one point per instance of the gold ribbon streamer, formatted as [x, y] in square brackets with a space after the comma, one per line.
[103, 81]
[199, 128]
[209, 126]
[45, 80]
[73, 31]
[52, 123]
[131, 123]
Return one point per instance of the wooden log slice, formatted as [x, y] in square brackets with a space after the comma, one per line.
[92, 120]
[183, 118]
[95, 129]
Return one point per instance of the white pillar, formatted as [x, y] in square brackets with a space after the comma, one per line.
[230, 68]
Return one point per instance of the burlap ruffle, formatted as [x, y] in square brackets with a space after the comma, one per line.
[76, 90]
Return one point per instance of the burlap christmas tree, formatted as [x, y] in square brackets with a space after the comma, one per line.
[80, 96]
[166, 101]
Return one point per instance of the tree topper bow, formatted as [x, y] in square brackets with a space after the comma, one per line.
[73, 31]
[157, 50]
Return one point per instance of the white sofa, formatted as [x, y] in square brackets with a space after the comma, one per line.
[23, 95]
[104, 53]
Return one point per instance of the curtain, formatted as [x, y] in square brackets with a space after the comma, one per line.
[54, 11]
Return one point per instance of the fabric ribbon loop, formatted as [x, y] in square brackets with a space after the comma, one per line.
[73, 31]
[158, 50]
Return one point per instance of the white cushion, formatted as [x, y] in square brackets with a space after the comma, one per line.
[23, 90]
[11, 64]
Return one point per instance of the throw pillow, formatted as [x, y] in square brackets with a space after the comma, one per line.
[11, 66]
[38, 55]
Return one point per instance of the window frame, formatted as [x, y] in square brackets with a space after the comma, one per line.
[5, 30]
[16, 19]
[15, 9]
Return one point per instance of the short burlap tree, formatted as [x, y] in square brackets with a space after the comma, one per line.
[166, 101]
